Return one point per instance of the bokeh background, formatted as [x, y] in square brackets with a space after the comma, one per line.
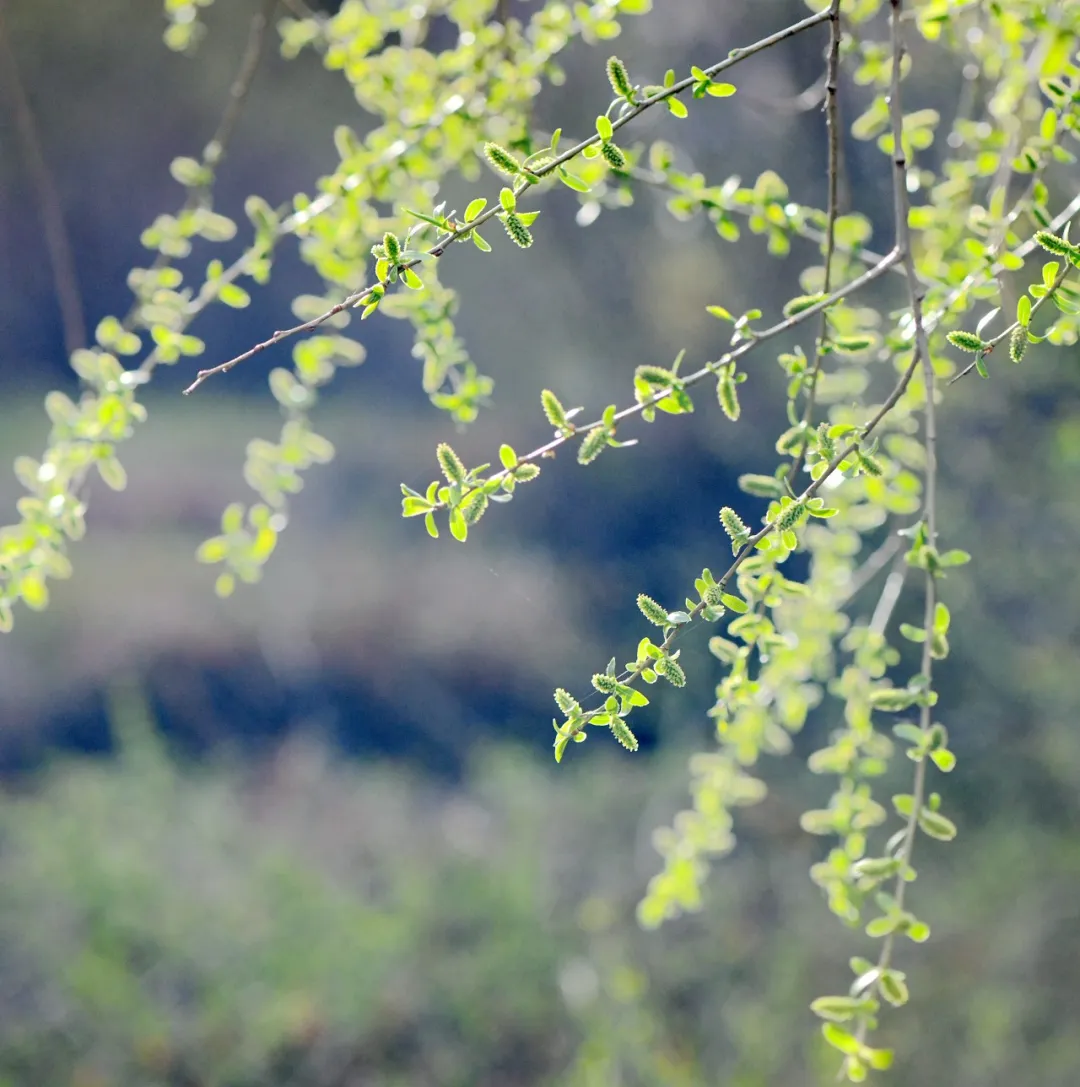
[312, 835]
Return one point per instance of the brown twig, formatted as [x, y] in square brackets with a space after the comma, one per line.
[711, 369]
[440, 247]
[921, 352]
[833, 128]
[241, 85]
[57, 242]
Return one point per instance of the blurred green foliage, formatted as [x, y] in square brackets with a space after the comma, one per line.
[301, 922]
[296, 924]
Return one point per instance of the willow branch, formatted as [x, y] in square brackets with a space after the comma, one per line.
[57, 242]
[921, 352]
[241, 85]
[440, 247]
[1060, 278]
[215, 149]
[709, 369]
[833, 128]
[870, 569]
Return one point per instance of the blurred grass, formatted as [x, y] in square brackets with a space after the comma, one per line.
[302, 921]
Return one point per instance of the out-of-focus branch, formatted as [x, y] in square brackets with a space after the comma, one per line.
[68, 295]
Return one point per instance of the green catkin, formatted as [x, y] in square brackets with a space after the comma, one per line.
[566, 702]
[656, 375]
[593, 445]
[613, 155]
[474, 507]
[733, 524]
[1018, 342]
[789, 516]
[728, 397]
[524, 472]
[501, 159]
[652, 610]
[450, 463]
[553, 409]
[619, 78]
[1053, 244]
[672, 671]
[621, 731]
[967, 341]
[517, 230]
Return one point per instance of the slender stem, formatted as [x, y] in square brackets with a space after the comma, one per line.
[241, 85]
[215, 149]
[921, 352]
[833, 128]
[1063, 273]
[870, 569]
[710, 369]
[57, 242]
[462, 231]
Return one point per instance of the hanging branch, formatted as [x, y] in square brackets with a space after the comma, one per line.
[832, 125]
[364, 295]
[57, 243]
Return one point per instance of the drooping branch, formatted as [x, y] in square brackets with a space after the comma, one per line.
[920, 355]
[710, 369]
[833, 129]
[548, 169]
[57, 242]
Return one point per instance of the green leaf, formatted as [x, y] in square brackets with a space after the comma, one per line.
[720, 90]
[837, 1009]
[839, 1038]
[761, 486]
[677, 108]
[604, 128]
[572, 181]
[802, 303]
[954, 558]
[112, 473]
[475, 208]
[560, 746]
[943, 759]
[459, 527]
[893, 987]
[935, 825]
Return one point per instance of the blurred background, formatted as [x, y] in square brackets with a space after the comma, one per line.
[313, 835]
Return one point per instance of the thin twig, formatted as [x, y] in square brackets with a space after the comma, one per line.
[57, 242]
[921, 352]
[212, 156]
[241, 85]
[870, 569]
[833, 129]
[890, 595]
[751, 543]
[855, 252]
[448, 239]
[1063, 272]
[711, 369]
